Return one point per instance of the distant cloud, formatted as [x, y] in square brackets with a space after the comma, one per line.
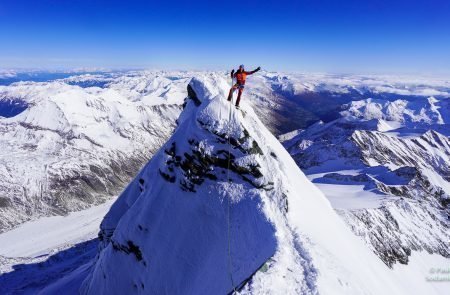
[7, 74]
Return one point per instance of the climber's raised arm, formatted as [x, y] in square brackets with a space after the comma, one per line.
[254, 71]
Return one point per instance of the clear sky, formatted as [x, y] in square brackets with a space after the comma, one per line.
[365, 36]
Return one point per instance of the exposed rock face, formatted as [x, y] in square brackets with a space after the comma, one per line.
[398, 228]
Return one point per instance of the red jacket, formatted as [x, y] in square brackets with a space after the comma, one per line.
[241, 76]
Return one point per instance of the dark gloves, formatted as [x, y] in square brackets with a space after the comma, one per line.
[258, 68]
[232, 73]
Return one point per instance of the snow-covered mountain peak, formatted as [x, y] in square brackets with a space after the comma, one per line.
[222, 205]
[426, 110]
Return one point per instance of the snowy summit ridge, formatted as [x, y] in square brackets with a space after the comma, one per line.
[181, 227]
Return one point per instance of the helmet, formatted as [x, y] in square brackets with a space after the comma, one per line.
[241, 66]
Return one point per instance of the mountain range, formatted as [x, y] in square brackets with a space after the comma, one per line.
[221, 201]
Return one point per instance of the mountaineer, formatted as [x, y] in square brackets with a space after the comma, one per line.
[240, 76]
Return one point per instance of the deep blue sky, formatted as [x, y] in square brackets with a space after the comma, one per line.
[313, 35]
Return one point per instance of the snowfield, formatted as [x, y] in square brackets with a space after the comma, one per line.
[49, 233]
[38, 253]
[375, 221]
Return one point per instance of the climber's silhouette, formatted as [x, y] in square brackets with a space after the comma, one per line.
[240, 76]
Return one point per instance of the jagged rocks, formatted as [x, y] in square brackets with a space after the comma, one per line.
[129, 248]
[397, 228]
[192, 95]
[198, 165]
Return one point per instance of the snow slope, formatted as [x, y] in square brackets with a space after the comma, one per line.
[40, 237]
[167, 233]
[38, 253]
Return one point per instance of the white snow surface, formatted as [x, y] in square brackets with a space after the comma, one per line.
[424, 274]
[351, 197]
[40, 237]
[182, 236]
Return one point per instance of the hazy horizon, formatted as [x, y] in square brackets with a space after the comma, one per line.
[309, 36]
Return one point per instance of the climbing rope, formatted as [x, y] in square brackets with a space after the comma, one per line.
[230, 262]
